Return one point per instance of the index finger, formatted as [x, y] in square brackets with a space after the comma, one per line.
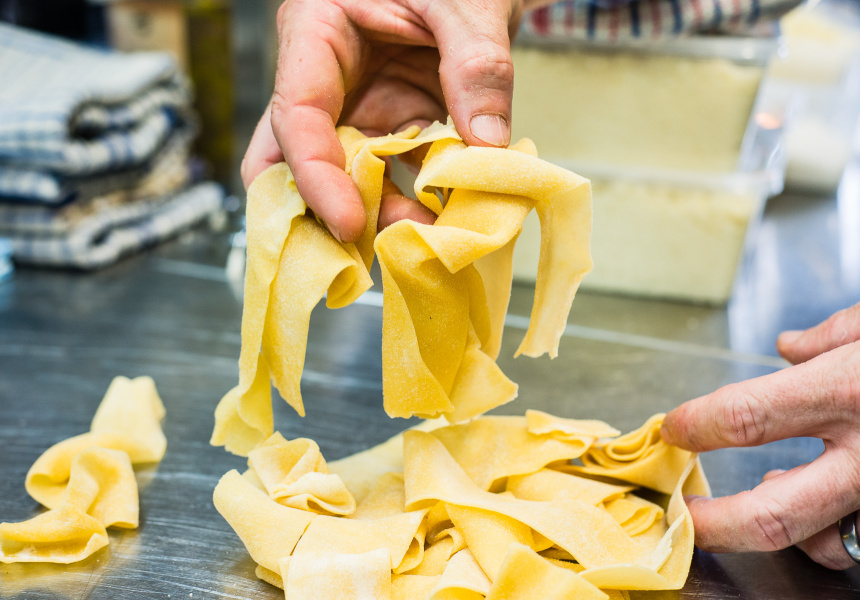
[839, 329]
[781, 511]
[810, 399]
[316, 42]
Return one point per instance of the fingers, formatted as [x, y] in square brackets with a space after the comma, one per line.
[401, 90]
[824, 547]
[263, 151]
[772, 473]
[390, 105]
[414, 158]
[395, 207]
[476, 70]
[840, 329]
[817, 398]
[319, 48]
[783, 510]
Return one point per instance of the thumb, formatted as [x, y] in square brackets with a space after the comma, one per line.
[841, 328]
[476, 71]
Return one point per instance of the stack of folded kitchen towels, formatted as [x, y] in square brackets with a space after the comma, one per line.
[94, 152]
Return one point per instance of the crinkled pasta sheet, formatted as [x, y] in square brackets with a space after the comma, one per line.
[87, 481]
[556, 511]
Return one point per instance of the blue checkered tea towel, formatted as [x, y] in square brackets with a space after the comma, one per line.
[108, 235]
[168, 174]
[28, 187]
[73, 110]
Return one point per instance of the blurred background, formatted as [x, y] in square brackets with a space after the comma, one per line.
[685, 137]
[721, 140]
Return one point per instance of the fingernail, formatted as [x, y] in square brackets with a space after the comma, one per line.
[666, 434]
[789, 337]
[491, 129]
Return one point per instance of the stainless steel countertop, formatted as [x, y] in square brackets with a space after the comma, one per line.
[171, 314]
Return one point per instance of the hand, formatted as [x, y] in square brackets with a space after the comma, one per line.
[375, 65]
[816, 398]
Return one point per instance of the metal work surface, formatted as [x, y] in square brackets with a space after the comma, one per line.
[173, 315]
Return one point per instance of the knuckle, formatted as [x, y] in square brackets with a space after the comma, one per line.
[837, 384]
[743, 420]
[854, 313]
[849, 377]
[770, 529]
[280, 106]
[835, 329]
[491, 63]
[827, 552]
[842, 327]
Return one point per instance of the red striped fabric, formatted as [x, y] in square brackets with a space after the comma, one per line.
[616, 20]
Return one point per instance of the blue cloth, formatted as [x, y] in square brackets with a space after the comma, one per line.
[69, 111]
[28, 186]
[95, 132]
[169, 172]
[108, 235]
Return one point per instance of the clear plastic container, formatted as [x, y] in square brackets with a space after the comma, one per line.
[673, 206]
[820, 71]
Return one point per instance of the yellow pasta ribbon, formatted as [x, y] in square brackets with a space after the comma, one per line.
[553, 531]
[524, 575]
[549, 484]
[586, 430]
[493, 506]
[491, 449]
[445, 286]
[295, 474]
[402, 535]
[269, 530]
[643, 458]
[62, 535]
[87, 481]
[462, 579]
[365, 576]
[128, 419]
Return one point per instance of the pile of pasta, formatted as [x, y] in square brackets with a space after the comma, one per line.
[493, 508]
[465, 506]
[446, 286]
[87, 481]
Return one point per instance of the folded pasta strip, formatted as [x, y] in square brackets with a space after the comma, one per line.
[295, 474]
[87, 481]
[549, 530]
[445, 286]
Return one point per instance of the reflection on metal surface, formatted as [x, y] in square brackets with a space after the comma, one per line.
[172, 314]
[77, 580]
[803, 267]
[650, 343]
[757, 302]
[371, 298]
[190, 269]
